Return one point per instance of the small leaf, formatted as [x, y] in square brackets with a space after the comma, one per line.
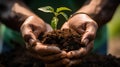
[54, 22]
[64, 15]
[47, 9]
[63, 9]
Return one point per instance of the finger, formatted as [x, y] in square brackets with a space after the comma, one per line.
[28, 36]
[37, 26]
[76, 53]
[90, 33]
[58, 58]
[27, 31]
[65, 26]
[60, 63]
[49, 28]
[37, 31]
[81, 52]
[54, 57]
[74, 63]
[45, 50]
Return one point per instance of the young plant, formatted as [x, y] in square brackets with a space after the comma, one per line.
[57, 12]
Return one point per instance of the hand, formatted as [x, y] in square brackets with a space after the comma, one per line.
[31, 29]
[86, 26]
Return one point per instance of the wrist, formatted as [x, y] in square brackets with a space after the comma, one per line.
[85, 16]
[74, 14]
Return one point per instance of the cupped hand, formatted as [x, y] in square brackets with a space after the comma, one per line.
[86, 27]
[31, 29]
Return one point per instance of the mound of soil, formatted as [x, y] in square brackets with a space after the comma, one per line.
[66, 39]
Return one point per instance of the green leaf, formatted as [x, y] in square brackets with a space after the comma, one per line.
[54, 22]
[64, 15]
[47, 9]
[63, 9]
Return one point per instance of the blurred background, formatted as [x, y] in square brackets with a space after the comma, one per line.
[114, 34]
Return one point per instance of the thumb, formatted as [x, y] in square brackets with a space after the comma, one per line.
[90, 33]
[65, 26]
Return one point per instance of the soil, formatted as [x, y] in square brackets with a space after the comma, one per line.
[21, 57]
[65, 40]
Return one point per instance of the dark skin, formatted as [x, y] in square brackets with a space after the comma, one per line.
[32, 26]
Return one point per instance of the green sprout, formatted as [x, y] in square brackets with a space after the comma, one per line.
[57, 12]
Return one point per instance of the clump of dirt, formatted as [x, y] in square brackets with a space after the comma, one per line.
[66, 39]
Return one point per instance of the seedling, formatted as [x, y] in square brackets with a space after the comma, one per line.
[57, 12]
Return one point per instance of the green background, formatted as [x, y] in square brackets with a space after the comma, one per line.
[114, 25]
